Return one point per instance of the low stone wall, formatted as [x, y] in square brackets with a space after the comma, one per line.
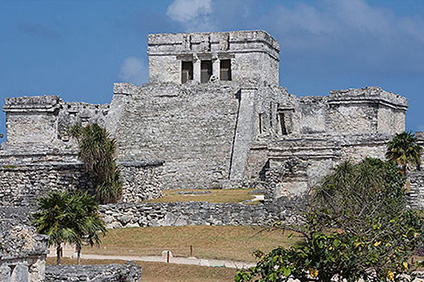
[192, 213]
[416, 194]
[20, 185]
[129, 272]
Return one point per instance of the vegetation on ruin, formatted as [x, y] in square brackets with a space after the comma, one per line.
[209, 242]
[211, 195]
[97, 151]
[70, 218]
[404, 149]
[357, 227]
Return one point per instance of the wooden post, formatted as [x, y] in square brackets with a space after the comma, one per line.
[191, 250]
[167, 257]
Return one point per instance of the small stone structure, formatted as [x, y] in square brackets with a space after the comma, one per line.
[129, 272]
[214, 112]
[23, 255]
[23, 252]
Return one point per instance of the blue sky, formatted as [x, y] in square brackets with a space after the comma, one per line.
[78, 48]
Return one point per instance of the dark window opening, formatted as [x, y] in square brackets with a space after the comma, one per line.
[261, 126]
[283, 128]
[186, 71]
[206, 71]
[225, 69]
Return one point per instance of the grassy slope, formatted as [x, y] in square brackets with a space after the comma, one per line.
[213, 242]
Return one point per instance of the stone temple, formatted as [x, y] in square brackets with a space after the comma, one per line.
[212, 115]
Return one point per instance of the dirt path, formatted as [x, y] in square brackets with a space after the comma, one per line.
[176, 260]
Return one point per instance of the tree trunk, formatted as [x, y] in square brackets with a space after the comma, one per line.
[58, 253]
[78, 254]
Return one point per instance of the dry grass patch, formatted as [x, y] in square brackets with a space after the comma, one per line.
[167, 272]
[215, 196]
[210, 242]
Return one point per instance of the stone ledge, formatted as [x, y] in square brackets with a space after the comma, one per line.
[143, 163]
[367, 95]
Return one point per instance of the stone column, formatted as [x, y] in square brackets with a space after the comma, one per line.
[196, 70]
[243, 134]
[216, 66]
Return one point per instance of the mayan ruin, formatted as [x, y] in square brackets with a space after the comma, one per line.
[213, 115]
[209, 117]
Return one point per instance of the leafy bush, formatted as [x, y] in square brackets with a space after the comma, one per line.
[357, 227]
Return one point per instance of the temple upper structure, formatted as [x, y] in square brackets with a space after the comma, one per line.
[239, 56]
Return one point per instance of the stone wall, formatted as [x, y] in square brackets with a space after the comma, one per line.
[192, 213]
[191, 128]
[129, 272]
[306, 160]
[416, 194]
[20, 185]
[141, 180]
[71, 113]
[420, 137]
[314, 114]
[203, 132]
[37, 115]
[368, 110]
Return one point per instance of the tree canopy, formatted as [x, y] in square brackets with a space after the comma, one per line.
[70, 218]
[97, 151]
[404, 149]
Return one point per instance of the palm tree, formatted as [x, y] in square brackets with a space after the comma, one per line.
[97, 152]
[88, 224]
[70, 218]
[404, 149]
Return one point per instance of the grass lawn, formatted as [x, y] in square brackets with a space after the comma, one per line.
[166, 272]
[214, 242]
[215, 196]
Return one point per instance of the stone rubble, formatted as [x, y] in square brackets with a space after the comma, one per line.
[129, 272]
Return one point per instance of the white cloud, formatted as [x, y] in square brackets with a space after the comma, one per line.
[187, 10]
[350, 35]
[194, 15]
[365, 36]
[134, 70]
